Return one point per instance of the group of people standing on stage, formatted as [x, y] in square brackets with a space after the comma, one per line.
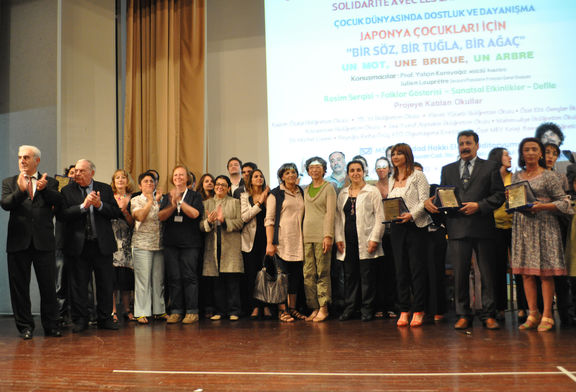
[199, 247]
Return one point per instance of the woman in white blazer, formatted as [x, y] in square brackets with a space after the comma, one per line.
[409, 235]
[358, 233]
[253, 210]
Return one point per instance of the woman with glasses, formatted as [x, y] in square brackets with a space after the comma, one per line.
[222, 222]
[318, 232]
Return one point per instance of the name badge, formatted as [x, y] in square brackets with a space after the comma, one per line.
[178, 219]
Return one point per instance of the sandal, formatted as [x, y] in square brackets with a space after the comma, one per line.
[142, 320]
[532, 321]
[546, 324]
[297, 315]
[129, 316]
[161, 317]
[285, 317]
[115, 317]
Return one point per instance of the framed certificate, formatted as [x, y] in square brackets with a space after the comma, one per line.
[393, 208]
[519, 196]
[446, 198]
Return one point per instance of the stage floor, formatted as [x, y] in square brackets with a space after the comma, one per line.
[270, 356]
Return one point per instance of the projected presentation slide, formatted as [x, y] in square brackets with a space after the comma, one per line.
[359, 76]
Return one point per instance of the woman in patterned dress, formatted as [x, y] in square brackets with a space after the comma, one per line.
[123, 265]
[536, 239]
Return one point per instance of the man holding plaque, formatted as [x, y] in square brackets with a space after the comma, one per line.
[478, 185]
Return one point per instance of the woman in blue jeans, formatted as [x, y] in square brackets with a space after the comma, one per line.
[147, 252]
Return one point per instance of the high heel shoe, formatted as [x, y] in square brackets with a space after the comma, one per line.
[546, 324]
[531, 322]
[417, 319]
[255, 314]
[403, 320]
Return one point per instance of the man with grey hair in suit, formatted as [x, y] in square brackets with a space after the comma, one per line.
[31, 198]
[89, 207]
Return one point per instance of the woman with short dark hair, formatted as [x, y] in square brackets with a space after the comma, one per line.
[318, 234]
[222, 223]
[148, 255]
[284, 216]
[358, 233]
[536, 238]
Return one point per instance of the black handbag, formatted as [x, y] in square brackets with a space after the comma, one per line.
[271, 285]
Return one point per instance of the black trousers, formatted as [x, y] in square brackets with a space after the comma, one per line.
[81, 268]
[359, 285]
[227, 294]
[459, 254]
[181, 266]
[386, 293]
[437, 271]
[409, 245]
[19, 271]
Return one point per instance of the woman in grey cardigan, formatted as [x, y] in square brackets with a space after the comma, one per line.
[222, 222]
[318, 231]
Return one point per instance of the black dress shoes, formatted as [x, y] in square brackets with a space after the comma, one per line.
[80, 327]
[108, 324]
[345, 316]
[367, 317]
[27, 334]
[55, 333]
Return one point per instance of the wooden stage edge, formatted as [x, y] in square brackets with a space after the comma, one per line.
[270, 356]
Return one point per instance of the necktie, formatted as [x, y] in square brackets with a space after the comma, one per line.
[88, 225]
[30, 188]
[466, 175]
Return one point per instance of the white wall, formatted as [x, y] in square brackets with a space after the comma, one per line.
[236, 121]
[88, 85]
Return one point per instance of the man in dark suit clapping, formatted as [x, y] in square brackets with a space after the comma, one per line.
[31, 199]
[89, 242]
[480, 189]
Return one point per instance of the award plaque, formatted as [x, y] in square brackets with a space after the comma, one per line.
[62, 181]
[393, 208]
[519, 196]
[446, 198]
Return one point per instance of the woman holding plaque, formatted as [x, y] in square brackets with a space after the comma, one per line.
[409, 234]
[536, 239]
[358, 232]
[503, 243]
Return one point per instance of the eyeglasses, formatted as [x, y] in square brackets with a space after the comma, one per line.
[221, 185]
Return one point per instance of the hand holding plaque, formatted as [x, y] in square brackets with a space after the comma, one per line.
[519, 196]
[393, 208]
[446, 198]
[62, 181]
